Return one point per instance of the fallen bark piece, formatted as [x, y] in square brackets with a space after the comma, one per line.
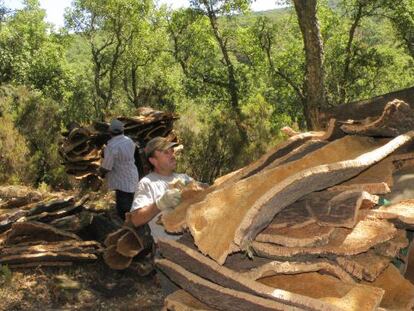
[402, 213]
[396, 119]
[371, 264]
[310, 235]
[183, 301]
[365, 266]
[74, 223]
[50, 252]
[366, 234]
[344, 296]
[392, 247]
[399, 292]
[217, 296]
[338, 209]
[380, 174]
[115, 260]
[372, 188]
[292, 267]
[295, 215]
[193, 261]
[51, 206]
[228, 219]
[21, 232]
[128, 245]
[112, 238]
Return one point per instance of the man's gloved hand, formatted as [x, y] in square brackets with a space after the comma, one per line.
[170, 199]
[178, 183]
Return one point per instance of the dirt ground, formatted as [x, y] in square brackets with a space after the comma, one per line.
[81, 287]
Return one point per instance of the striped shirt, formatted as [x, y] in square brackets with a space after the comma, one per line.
[120, 162]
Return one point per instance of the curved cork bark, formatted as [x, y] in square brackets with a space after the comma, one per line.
[228, 219]
[366, 234]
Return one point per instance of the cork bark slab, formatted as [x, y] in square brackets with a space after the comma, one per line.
[333, 130]
[115, 260]
[62, 251]
[378, 175]
[396, 119]
[31, 231]
[292, 267]
[403, 212]
[338, 209]
[399, 292]
[366, 234]
[367, 107]
[214, 295]
[345, 296]
[239, 212]
[297, 153]
[392, 247]
[175, 222]
[365, 266]
[295, 215]
[279, 151]
[197, 264]
[180, 300]
[128, 245]
[373, 188]
[371, 264]
[310, 235]
[307, 181]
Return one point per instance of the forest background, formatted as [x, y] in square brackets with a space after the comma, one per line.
[234, 77]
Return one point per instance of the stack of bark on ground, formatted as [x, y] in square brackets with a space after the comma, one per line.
[52, 229]
[305, 232]
[81, 147]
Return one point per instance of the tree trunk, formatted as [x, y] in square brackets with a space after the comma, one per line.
[314, 88]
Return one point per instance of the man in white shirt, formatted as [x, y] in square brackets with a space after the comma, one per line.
[118, 166]
[155, 193]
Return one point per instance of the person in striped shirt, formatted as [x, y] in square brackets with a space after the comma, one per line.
[118, 167]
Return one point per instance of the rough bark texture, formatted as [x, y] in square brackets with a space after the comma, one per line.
[366, 234]
[362, 109]
[175, 221]
[396, 119]
[338, 209]
[399, 292]
[292, 267]
[252, 203]
[345, 296]
[196, 263]
[214, 295]
[306, 181]
[314, 88]
[306, 236]
[402, 211]
[183, 301]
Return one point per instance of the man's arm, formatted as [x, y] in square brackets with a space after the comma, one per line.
[144, 214]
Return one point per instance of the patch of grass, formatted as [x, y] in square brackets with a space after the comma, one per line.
[5, 274]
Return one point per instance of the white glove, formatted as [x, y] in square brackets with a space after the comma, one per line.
[170, 199]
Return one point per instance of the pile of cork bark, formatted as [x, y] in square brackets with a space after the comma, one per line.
[314, 224]
[81, 146]
[54, 229]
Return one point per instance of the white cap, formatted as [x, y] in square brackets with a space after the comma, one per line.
[116, 126]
